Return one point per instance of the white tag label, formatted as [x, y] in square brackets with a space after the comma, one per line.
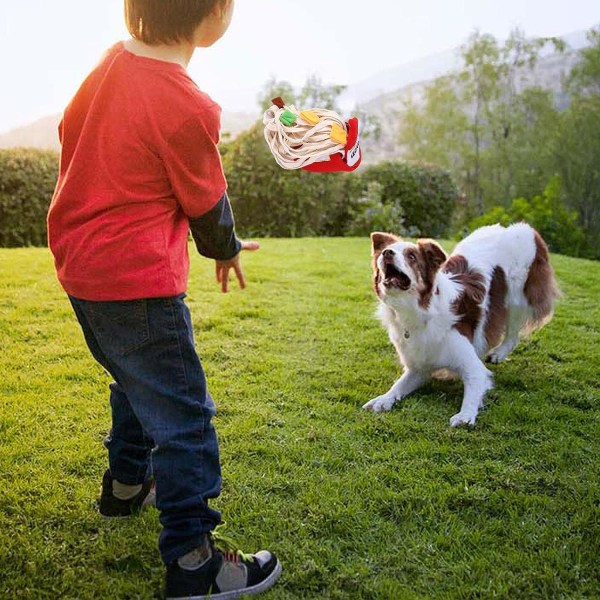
[353, 154]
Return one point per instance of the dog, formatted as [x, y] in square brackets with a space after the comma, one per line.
[450, 313]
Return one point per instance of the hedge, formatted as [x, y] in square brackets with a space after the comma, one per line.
[273, 202]
[270, 201]
[27, 180]
[425, 196]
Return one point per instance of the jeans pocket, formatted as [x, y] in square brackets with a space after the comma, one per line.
[122, 325]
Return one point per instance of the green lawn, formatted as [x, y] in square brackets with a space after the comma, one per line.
[357, 505]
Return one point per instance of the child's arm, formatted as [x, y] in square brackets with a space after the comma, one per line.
[196, 174]
[214, 232]
[214, 236]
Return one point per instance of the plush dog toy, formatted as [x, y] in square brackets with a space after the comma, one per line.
[316, 140]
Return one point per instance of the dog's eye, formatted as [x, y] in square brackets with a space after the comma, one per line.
[411, 256]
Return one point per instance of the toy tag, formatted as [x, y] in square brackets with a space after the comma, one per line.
[354, 154]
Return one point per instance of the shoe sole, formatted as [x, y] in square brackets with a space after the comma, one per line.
[263, 586]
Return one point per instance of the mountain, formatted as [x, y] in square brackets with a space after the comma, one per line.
[423, 70]
[382, 94]
[549, 73]
[44, 132]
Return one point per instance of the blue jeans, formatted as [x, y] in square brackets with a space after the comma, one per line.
[161, 410]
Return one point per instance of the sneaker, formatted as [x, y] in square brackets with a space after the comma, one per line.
[110, 506]
[216, 571]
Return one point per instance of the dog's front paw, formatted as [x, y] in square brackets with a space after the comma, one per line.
[380, 404]
[463, 418]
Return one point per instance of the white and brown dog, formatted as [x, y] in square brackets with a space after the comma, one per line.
[452, 312]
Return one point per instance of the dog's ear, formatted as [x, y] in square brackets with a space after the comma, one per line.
[381, 240]
[433, 253]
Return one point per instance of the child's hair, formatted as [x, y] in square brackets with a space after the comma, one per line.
[166, 21]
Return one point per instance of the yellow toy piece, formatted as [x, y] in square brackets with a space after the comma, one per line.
[310, 117]
[338, 134]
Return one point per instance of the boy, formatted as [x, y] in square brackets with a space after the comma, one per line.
[139, 169]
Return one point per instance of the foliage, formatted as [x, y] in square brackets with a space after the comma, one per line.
[546, 213]
[577, 146]
[503, 140]
[357, 506]
[273, 202]
[437, 135]
[27, 180]
[314, 93]
[274, 88]
[372, 213]
[585, 76]
[534, 123]
[423, 197]
[270, 201]
[480, 125]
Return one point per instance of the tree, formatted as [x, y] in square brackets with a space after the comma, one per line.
[577, 155]
[577, 147]
[474, 122]
[547, 214]
[521, 164]
[274, 88]
[585, 76]
[438, 133]
[316, 94]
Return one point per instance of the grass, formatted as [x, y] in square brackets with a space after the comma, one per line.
[360, 506]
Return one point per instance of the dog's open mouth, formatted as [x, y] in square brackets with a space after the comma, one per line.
[395, 278]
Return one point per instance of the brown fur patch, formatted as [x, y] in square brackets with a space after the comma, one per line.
[468, 304]
[495, 325]
[541, 288]
[380, 241]
[430, 257]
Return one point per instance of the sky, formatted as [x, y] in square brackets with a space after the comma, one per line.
[47, 47]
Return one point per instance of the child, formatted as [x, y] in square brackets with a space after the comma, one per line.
[140, 168]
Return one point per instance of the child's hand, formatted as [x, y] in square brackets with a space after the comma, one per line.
[223, 266]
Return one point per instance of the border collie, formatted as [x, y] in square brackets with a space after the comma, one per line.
[449, 313]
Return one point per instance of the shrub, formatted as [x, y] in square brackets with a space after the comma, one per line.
[423, 198]
[27, 180]
[394, 196]
[546, 213]
[371, 213]
[274, 202]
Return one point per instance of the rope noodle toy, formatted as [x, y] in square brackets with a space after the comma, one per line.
[316, 140]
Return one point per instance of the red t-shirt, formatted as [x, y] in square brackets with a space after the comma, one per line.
[139, 156]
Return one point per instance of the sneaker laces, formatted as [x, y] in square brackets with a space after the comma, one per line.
[227, 547]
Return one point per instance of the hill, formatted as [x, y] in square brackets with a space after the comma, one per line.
[549, 73]
[382, 94]
[44, 132]
[421, 70]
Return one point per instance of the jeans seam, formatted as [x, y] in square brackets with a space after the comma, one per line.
[179, 347]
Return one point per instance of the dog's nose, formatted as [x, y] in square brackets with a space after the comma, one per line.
[388, 253]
